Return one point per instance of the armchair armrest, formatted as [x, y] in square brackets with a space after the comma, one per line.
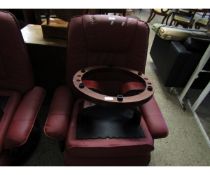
[56, 125]
[154, 119]
[24, 118]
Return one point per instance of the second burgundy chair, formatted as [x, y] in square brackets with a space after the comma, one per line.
[20, 100]
[103, 40]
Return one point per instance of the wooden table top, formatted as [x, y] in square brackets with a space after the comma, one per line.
[32, 34]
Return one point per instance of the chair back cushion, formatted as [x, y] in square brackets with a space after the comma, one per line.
[15, 67]
[106, 40]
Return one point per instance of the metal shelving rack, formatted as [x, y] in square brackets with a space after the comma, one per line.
[204, 93]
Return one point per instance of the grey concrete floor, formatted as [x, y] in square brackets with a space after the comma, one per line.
[184, 146]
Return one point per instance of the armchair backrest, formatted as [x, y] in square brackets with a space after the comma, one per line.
[15, 67]
[106, 40]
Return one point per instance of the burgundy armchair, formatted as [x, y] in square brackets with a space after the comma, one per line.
[19, 99]
[103, 40]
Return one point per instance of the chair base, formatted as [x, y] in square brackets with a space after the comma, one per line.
[101, 161]
[108, 151]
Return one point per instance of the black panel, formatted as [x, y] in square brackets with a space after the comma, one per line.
[109, 122]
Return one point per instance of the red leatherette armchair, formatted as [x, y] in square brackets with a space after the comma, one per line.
[19, 99]
[103, 40]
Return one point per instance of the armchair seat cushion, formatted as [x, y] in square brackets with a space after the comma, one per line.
[106, 148]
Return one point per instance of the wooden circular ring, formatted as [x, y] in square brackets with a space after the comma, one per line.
[96, 97]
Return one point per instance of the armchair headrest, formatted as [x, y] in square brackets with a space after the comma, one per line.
[109, 33]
